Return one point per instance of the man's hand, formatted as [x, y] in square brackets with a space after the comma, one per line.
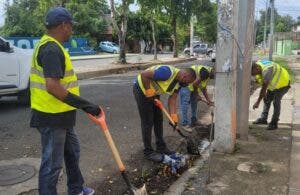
[256, 105]
[199, 98]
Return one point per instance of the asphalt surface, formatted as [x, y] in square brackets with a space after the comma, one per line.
[114, 94]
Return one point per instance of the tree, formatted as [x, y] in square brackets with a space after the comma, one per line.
[122, 29]
[26, 17]
[151, 8]
[282, 24]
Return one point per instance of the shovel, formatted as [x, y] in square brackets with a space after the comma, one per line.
[192, 147]
[102, 124]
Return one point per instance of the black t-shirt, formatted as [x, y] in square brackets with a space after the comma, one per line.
[52, 59]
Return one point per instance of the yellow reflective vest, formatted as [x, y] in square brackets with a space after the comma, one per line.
[280, 76]
[203, 83]
[161, 87]
[41, 100]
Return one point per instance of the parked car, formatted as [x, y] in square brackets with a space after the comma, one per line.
[199, 48]
[108, 46]
[15, 66]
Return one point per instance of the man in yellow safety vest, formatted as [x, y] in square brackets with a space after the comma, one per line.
[54, 98]
[190, 95]
[275, 82]
[150, 84]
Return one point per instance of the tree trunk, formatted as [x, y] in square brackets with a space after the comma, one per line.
[122, 55]
[154, 39]
[121, 32]
[174, 36]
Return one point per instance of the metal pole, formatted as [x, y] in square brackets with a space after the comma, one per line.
[265, 28]
[271, 30]
[192, 37]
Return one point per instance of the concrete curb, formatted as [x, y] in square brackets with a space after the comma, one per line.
[125, 68]
[103, 56]
[179, 185]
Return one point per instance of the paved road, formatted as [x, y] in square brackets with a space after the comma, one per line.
[114, 93]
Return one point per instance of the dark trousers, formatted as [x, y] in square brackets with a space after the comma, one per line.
[276, 97]
[150, 116]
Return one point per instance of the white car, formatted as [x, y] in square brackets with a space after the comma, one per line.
[15, 66]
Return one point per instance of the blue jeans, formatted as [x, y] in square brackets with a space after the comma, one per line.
[59, 144]
[187, 97]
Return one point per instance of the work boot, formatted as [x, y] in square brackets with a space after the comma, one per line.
[187, 128]
[165, 151]
[262, 121]
[154, 156]
[272, 126]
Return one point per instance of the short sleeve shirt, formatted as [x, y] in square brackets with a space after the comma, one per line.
[52, 59]
[267, 75]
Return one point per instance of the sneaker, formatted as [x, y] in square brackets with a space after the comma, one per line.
[166, 151]
[272, 126]
[155, 157]
[260, 121]
[187, 128]
[87, 191]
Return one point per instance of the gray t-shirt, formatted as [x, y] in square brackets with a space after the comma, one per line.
[267, 75]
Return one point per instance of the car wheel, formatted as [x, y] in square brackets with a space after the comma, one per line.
[114, 51]
[187, 53]
[24, 97]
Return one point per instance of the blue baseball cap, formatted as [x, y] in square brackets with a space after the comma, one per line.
[58, 15]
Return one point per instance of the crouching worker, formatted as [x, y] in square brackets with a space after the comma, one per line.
[190, 95]
[150, 84]
[54, 98]
[275, 82]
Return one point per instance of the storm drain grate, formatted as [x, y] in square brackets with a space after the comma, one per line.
[13, 174]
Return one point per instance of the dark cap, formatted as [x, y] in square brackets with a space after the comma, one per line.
[58, 15]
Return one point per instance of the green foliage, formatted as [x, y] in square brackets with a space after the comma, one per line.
[26, 17]
[282, 24]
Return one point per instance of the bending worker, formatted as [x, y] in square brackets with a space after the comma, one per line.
[150, 84]
[275, 82]
[54, 98]
[190, 95]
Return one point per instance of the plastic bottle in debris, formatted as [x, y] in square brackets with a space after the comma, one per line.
[203, 145]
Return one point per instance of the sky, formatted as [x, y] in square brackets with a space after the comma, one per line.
[284, 7]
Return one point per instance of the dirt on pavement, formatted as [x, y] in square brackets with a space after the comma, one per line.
[258, 166]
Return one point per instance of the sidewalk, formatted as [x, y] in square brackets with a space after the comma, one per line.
[268, 163]
[134, 62]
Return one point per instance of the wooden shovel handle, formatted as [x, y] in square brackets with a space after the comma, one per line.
[159, 104]
[100, 120]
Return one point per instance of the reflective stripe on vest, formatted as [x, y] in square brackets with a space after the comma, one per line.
[41, 100]
[161, 87]
[280, 76]
[203, 83]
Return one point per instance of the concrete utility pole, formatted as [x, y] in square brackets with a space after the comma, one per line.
[245, 39]
[271, 30]
[192, 36]
[225, 84]
[265, 28]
